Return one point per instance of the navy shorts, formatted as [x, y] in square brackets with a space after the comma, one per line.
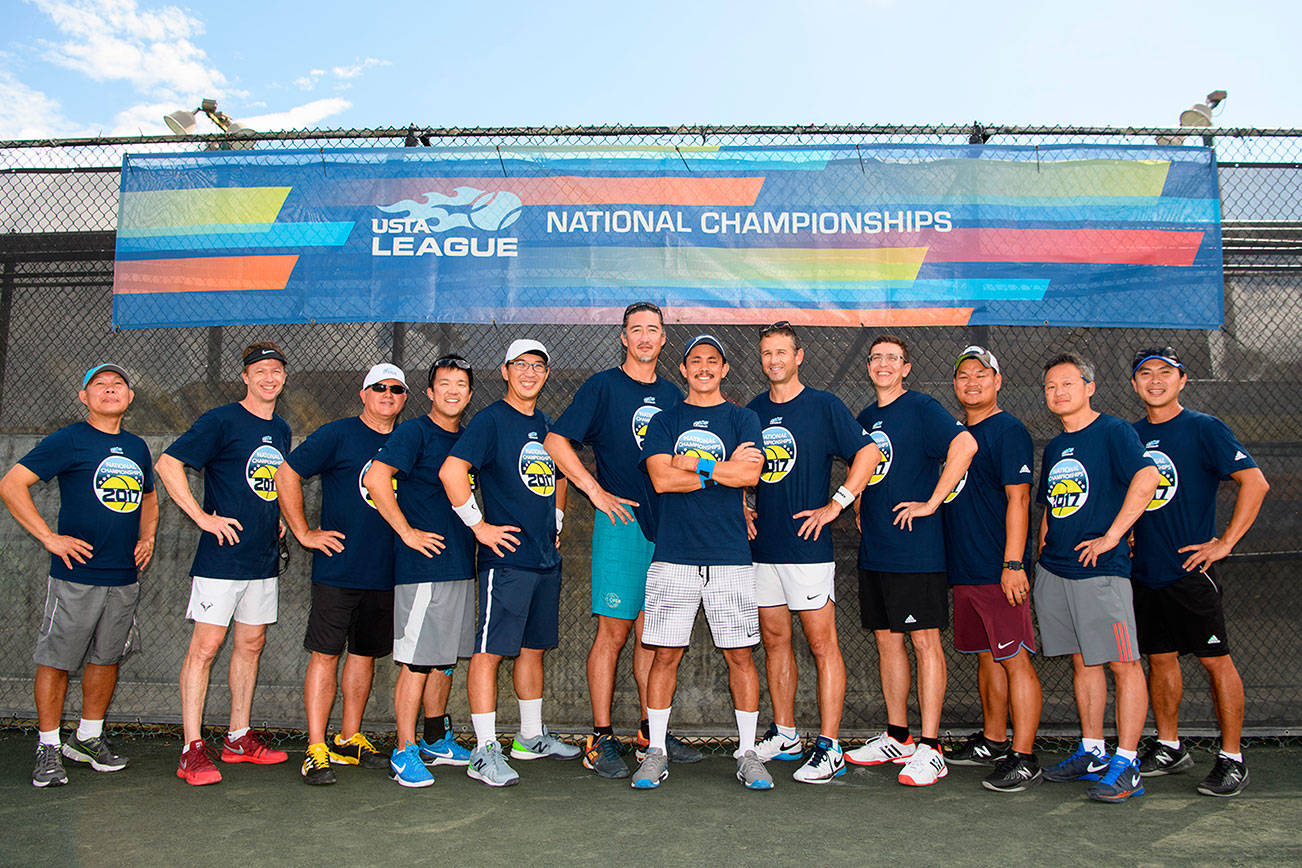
[518, 608]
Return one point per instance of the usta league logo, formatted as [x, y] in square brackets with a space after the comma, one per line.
[537, 470]
[1170, 481]
[779, 453]
[702, 444]
[641, 418]
[260, 471]
[888, 452]
[362, 490]
[119, 484]
[1069, 487]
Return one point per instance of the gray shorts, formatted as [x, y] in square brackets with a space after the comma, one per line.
[1093, 617]
[675, 591]
[433, 622]
[86, 624]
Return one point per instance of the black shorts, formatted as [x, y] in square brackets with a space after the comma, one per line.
[903, 602]
[1185, 617]
[358, 618]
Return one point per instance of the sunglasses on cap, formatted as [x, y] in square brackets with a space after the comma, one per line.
[396, 388]
[451, 362]
[640, 306]
[781, 326]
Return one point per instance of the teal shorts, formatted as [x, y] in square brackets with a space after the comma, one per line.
[620, 558]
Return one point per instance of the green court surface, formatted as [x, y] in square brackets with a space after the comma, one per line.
[560, 814]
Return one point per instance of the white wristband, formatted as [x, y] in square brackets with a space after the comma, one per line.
[469, 512]
[843, 497]
[560, 520]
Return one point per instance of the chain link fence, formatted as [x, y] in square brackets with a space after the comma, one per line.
[58, 206]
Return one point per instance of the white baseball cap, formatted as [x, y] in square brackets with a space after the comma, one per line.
[525, 345]
[383, 371]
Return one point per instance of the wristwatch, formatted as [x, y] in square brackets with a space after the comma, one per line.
[1014, 565]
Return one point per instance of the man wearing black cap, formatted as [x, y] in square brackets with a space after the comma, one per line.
[698, 455]
[108, 513]
[1177, 593]
[238, 447]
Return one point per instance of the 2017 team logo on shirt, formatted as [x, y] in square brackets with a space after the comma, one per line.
[702, 444]
[1170, 480]
[1069, 487]
[641, 418]
[884, 466]
[362, 490]
[260, 471]
[119, 484]
[779, 453]
[537, 470]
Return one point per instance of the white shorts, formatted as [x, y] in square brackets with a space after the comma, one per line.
[674, 592]
[219, 601]
[799, 587]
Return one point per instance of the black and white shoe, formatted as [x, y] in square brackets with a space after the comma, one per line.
[1013, 773]
[1227, 778]
[1162, 760]
[977, 750]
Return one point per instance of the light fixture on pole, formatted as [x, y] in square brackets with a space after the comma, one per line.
[1197, 115]
[184, 123]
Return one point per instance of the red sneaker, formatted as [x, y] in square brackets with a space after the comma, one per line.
[248, 748]
[196, 767]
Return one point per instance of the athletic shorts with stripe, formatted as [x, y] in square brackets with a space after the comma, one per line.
[1093, 617]
[1186, 617]
[518, 608]
[674, 593]
[984, 621]
[799, 587]
[433, 622]
[86, 624]
[621, 556]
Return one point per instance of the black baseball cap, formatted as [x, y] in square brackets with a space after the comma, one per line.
[704, 339]
[1165, 354]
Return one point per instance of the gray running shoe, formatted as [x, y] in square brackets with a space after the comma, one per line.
[1162, 760]
[679, 751]
[95, 751]
[545, 745]
[488, 765]
[654, 769]
[751, 772]
[49, 768]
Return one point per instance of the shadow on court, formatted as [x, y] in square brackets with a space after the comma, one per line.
[561, 814]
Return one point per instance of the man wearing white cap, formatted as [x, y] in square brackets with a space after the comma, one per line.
[108, 513]
[519, 558]
[352, 570]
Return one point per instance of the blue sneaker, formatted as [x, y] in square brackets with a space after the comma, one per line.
[1083, 765]
[1120, 782]
[444, 752]
[407, 768]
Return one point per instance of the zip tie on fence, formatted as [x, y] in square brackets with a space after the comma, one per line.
[681, 157]
[500, 161]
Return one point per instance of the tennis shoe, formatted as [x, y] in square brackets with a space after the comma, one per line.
[544, 745]
[1083, 765]
[1120, 782]
[601, 754]
[977, 750]
[1013, 774]
[1162, 760]
[751, 772]
[356, 750]
[488, 765]
[49, 767]
[653, 770]
[881, 749]
[924, 767]
[316, 769]
[775, 745]
[196, 768]
[824, 762]
[1227, 778]
[444, 752]
[250, 748]
[407, 767]
[96, 752]
[677, 749]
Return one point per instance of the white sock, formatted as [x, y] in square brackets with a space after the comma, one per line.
[1131, 755]
[1173, 745]
[236, 733]
[1095, 745]
[90, 728]
[1237, 757]
[485, 727]
[785, 731]
[51, 738]
[836, 743]
[746, 723]
[531, 717]
[658, 722]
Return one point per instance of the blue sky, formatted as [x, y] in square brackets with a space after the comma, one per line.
[86, 67]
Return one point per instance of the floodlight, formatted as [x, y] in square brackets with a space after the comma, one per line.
[1197, 115]
[1173, 141]
[180, 122]
[183, 123]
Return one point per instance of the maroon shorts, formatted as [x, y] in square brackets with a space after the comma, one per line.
[983, 621]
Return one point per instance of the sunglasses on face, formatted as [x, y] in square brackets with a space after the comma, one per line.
[396, 389]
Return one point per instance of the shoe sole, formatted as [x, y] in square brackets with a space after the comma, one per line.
[1088, 776]
[438, 759]
[1185, 763]
[183, 776]
[76, 755]
[827, 780]
[785, 755]
[471, 773]
[1020, 788]
[319, 782]
[414, 785]
[755, 785]
[1240, 788]
[608, 774]
[247, 758]
[53, 783]
[1120, 797]
[530, 755]
[648, 784]
[973, 762]
[909, 782]
[899, 761]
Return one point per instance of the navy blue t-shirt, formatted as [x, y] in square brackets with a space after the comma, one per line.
[1083, 482]
[913, 432]
[610, 412]
[239, 454]
[1193, 452]
[340, 452]
[801, 437]
[706, 527]
[102, 478]
[517, 479]
[975, 512]
[416, 450]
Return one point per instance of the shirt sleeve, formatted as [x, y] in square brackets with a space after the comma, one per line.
[1223, 451]
[314, 454]
[1016, 454]
[1042, 490]
[749, 428]
[659, 438]
[581, 419]
[200, 444]
[1128, 452]
[847, 434]
[938, 428]
[477, 441]
[51, 456]
[399, 451]
[148, 467]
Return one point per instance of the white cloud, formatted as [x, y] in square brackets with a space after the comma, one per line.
[347, 72]
[307, 82]
[27, 113]
[299, 117]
